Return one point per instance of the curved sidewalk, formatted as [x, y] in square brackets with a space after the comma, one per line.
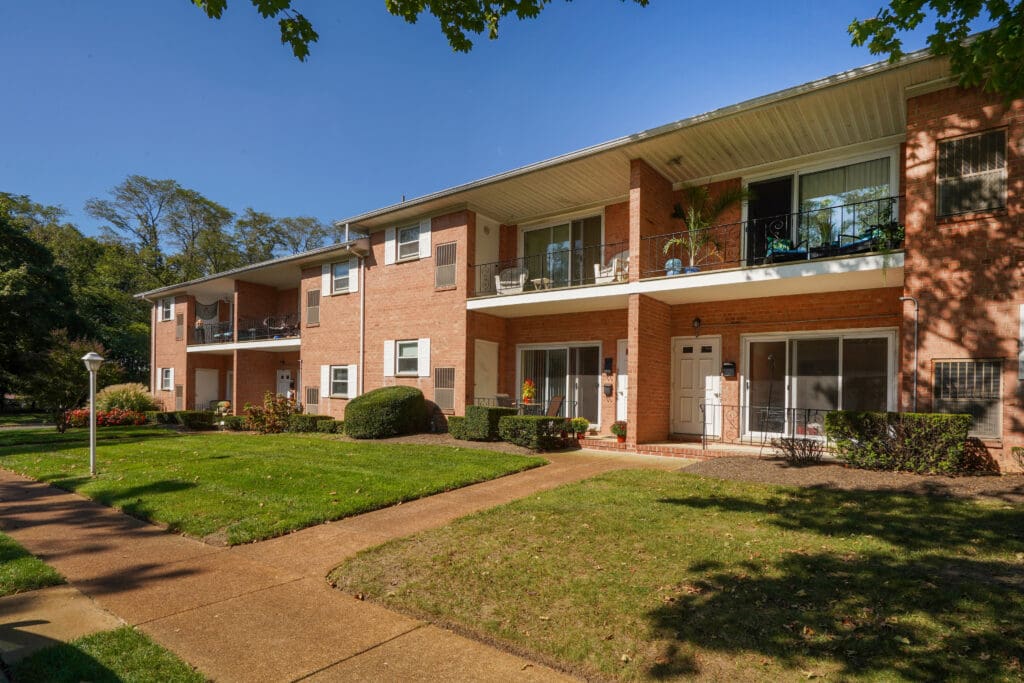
[264, 612]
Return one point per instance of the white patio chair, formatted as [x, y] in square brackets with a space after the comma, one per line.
[510, 281]
[617, 269]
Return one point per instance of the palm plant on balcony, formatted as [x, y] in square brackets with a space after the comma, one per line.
[700, 212]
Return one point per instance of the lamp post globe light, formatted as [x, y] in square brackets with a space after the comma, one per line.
[92, 362]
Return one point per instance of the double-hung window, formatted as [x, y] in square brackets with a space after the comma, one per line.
[409, 242]
[339, 380]
[407, 357]
[339, 276]
[972, 173]
[166, 379]
[166, 309]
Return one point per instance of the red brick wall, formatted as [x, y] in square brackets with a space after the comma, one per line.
[616, 228]
[489, 328]
[650, 370]
[170, 353]
[965, 270]
[650, 211]
[257, 374]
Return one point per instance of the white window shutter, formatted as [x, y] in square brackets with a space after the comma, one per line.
[353, 275]
[325, 279]
[172, 310]
[1020, 346]
[424, 357]
[325, 381]
[172, 379]
[425, 238]
[390, 246]
[389, 358]
[353, 381]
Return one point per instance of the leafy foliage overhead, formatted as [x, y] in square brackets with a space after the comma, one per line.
[993, 60]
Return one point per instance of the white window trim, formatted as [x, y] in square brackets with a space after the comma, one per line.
[891, 333]
[348, 382]
[160, 310]
[169, 384]
[407, 373]
[398, 243]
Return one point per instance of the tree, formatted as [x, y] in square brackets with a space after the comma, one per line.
[993, 60]
[302, 233]
[61, 382]
[257, 235]
[457, 18]
[35, 297]
[195, 226]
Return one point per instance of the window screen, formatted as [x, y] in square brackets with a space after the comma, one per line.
[973, 387]
[444, 268]
[444, 388]
[972, 173]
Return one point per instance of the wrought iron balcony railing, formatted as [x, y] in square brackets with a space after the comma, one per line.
[249, 329]
[555, 269]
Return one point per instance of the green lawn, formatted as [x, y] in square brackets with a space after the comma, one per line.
[21, 571]
[655, 575]
[114, 656]
[23, 419]
[240, 487]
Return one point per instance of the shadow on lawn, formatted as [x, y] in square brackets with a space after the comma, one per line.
[49, 441]
[946, 611]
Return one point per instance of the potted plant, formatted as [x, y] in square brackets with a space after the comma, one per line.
[700, 213]
[580, 425]
[528, 391]
[619, 430]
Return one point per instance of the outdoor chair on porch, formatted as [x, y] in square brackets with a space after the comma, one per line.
[617, 269]
[555, 406]
[503, 400]
[510, 281]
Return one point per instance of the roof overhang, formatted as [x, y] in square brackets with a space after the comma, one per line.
[866, 104]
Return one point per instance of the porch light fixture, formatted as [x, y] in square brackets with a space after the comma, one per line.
[92, 361]
[696, 327]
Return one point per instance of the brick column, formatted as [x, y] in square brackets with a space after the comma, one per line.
[650, 366]
[650, 212]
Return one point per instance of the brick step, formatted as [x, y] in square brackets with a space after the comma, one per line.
[678, 450]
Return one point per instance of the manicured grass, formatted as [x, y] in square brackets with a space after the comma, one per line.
[240, 487]
[23, 419]
[123, 654]
[656, 575]
[20, 571]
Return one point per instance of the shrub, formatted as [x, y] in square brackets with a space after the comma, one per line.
[619, 428]
[166, 418]
[457, 427]
[234, 423]
[133, 397]
[330, 426]
[799, 451]
[273, 416]
[926, 443]
[389, 411]
[482, 422]
[152, 416]
[536, 432]
[105, 418]
[299, 422]
[194, 419]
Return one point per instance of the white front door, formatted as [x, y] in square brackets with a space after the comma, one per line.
[284, 382]
[697, 381]
[622, 380]
[206, 388]
[485, 369]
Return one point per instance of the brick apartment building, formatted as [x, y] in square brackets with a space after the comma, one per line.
[573, 273]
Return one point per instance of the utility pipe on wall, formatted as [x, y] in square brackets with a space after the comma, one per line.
[917, 307]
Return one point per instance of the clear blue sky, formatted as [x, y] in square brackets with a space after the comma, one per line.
[95, 91]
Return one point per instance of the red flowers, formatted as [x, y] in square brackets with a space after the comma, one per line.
[115, 417]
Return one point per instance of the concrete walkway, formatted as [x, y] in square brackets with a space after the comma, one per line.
[263, 612]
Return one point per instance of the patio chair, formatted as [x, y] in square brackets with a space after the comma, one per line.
[617, 269]
[510, 281]
[503, 400]
[781, 250]
[554, 406]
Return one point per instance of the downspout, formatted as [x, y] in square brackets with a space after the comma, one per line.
[917, 307]
[362, 321]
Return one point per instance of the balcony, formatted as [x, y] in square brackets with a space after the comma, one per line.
[557, 269]
[816, 233]
[268, 331]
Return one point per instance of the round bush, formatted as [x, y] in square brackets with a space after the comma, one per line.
[133, 397]
[389, 411]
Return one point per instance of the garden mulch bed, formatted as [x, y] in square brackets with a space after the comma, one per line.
[1006, 488]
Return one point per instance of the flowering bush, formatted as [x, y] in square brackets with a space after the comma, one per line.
[273, 417]
[529, 391]
[105, 418]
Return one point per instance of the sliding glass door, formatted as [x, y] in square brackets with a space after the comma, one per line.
[792, 382]
[563, 255]
[572, 372]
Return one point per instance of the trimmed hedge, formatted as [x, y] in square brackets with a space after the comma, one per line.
[925, 443]
[457, 427]
[164, 417]
[384, 412]
[235, 423]
[194, 419]
[299, 422]
[330, 426]
[536, 432]
[482, 422]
